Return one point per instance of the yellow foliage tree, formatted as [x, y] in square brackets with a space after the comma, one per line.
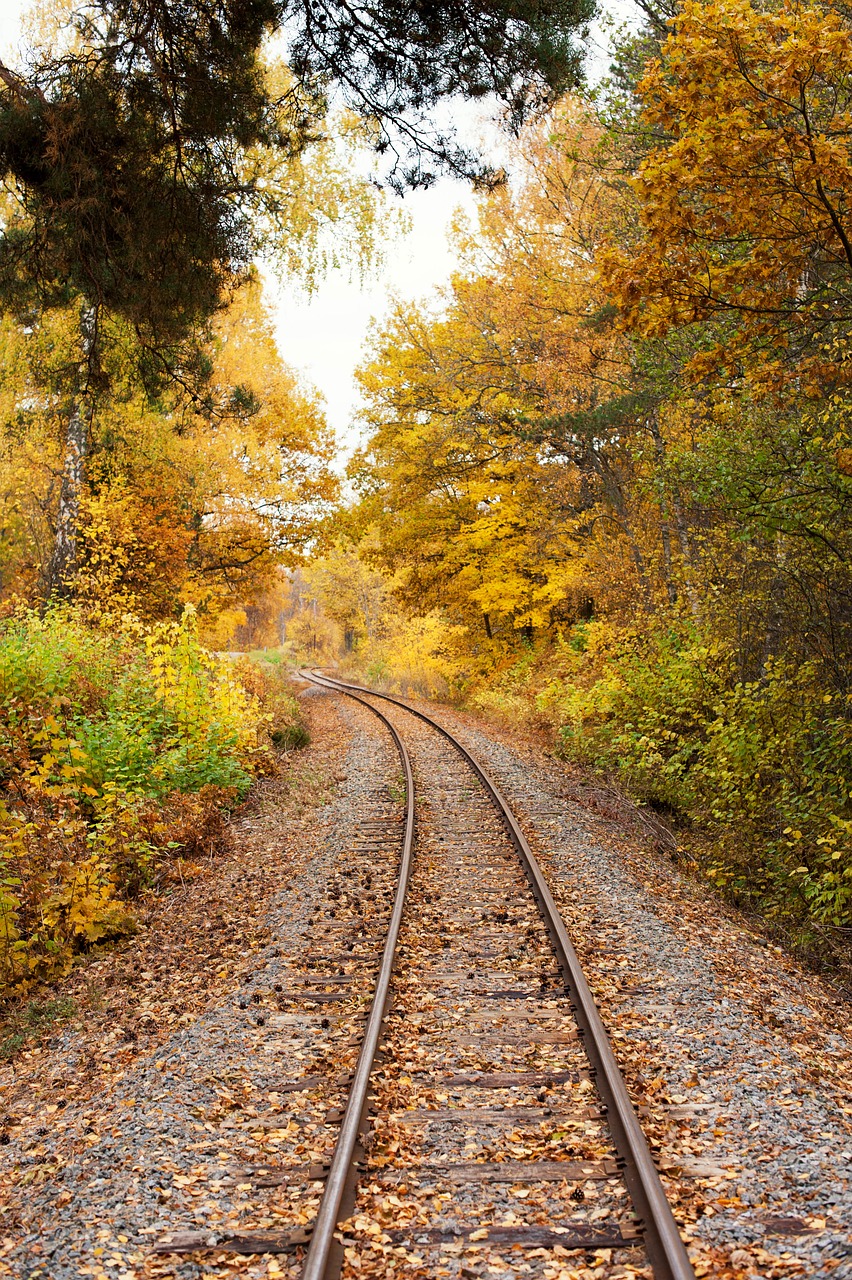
[185, 501]
[504, 432]
[744, 211]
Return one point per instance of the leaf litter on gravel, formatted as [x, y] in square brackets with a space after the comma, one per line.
[199, 942]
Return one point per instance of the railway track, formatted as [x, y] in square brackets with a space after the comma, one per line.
[454, 1100]
[528, 1144]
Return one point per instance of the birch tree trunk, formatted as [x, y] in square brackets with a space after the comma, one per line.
[63, 560]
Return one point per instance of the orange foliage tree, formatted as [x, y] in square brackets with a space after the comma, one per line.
[743, 202]
[187, 499]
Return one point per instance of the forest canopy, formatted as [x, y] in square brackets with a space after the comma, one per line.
[609, 467]
[150, 152]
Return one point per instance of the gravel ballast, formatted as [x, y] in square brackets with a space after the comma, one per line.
[89, 1186]
[135, 1119]
[740, 1060]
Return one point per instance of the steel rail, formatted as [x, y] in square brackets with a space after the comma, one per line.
[324, 1255]
[663, 1244]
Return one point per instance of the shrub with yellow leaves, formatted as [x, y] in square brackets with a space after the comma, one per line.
[119, 745]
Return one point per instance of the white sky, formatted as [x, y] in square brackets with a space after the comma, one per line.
[323, 336]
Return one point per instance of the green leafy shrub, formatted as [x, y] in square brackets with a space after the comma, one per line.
[759, 772]
[118, 747]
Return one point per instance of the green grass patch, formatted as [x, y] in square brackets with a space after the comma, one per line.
[33, 1020]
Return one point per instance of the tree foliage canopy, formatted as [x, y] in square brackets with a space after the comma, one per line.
[145, 141]
[615, 455]
[743, 199]
[185, 499]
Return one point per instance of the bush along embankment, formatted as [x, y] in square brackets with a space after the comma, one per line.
[122, 747]
[755, 776]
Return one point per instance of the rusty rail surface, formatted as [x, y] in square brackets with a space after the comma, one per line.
[324, 1254]
[661, 1238]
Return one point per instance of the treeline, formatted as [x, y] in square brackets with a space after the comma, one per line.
[177, 500]
[160, 466]
[155, 449]
[613, 457]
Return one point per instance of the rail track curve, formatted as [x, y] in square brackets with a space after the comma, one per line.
[323, 1256]
[660, 1237]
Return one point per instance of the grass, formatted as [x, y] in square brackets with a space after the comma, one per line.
[396, 790]
[290, 737]
[32, 1020]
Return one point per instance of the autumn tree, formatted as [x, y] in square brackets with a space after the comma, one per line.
[734, 258]
[743, 213]
[103, 350]
[504, 430]
[185, 500]
[351, 592]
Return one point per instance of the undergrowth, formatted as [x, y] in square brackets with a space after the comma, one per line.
[754, 775]
[32, 1020]
[263, 670]
[121, 747]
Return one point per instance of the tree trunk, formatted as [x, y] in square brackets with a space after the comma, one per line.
[613, 493]
[665, 528]
[59, 576]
